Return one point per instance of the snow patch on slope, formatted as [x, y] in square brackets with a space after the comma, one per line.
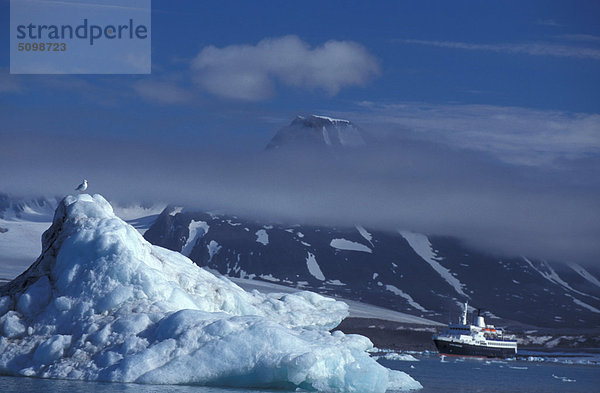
[313, 267]
[213, 249]
[583, 304]
[262, 237]
[197, 229]
[584, 273]
[326, 136]
[546, 271]
[422, 246]
[269, 277]
[364, 233]
[347, 245]
[406, 296]
[331, 119]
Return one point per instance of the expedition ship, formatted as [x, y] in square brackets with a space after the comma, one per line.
[477, 339]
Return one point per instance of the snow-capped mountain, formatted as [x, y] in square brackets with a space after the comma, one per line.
[423, 275]
[318, 132]
[27, 209]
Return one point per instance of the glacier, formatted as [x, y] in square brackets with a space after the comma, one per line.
[102, 304]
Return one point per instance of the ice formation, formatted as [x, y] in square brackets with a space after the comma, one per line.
[101, 303]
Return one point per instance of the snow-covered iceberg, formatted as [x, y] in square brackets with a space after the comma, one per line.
[101, 303]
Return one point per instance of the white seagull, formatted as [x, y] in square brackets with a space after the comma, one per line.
[82, 187]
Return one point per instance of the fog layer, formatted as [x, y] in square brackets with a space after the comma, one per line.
[415, 185]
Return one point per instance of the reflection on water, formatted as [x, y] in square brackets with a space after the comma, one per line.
[23, 384]
[437, 375]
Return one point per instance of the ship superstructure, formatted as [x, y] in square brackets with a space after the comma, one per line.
[476, 339]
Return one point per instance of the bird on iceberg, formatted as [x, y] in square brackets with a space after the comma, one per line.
[82, 187]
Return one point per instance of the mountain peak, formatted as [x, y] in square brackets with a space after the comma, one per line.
[312, 119]
[318, 132]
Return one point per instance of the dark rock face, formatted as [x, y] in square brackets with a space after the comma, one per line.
[385, 269]
[318, 132]
[391, 335]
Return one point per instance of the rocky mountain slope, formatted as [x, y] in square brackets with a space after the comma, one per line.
[320, 133]
[423, 275]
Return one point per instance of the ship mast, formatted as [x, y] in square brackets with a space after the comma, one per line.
[464, 316]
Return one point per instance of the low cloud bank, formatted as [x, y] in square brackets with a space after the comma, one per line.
[415, 185]
[516, 135]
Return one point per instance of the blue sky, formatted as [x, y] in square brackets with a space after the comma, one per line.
[540, 55]
[505, 92]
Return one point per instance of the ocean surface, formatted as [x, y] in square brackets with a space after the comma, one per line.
[436, 374]
[565, 374]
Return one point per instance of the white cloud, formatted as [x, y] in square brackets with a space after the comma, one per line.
[533, 49]
[161, 92]
[581, 37]
[548, 22]
[513, 134]
[248, 72]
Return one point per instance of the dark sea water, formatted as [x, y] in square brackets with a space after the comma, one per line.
[435, 374]
[458, 375]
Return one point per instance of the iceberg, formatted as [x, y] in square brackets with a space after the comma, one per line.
[102, 304]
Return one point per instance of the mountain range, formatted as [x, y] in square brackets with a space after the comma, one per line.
[417, 273]
[428, 276]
